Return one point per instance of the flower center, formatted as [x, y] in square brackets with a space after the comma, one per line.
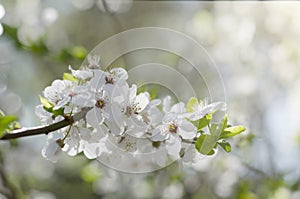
[133, 109]
[173, 128]
[100, 103]
[109, 80]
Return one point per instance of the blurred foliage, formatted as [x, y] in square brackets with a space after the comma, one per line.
[245, 41]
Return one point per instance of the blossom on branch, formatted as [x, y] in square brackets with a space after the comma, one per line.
[123, 126]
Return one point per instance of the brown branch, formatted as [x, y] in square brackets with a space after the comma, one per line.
[23, 132]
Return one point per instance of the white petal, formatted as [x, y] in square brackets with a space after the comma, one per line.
[82, 100]
[155, 116]
[155, 102]
[94, 118]
[93, 61]
[98, 80]
[196, 115]
[63, 102]
[81, 74]
[51, 151]
[51, 94]
[142, 100]
[132, 93]
[169, 117]
[59, 85]
[93, 150]
[187, 130]
[173, 146]
[167, 104]
[216, 106]
[115, 128]
[178, 108]
[85, 134]
[159, 135]
[189, 154]
[120, 73]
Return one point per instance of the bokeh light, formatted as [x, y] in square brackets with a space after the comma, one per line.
[255, 46]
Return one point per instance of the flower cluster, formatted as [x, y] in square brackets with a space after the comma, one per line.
[123, 126]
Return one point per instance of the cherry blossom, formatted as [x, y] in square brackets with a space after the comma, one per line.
[122, 126]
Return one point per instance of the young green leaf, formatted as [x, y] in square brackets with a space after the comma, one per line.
[225, 145]
[224, 122]
[48, 106]
[5, 122]
[58, 112]
[203, 122]
[205, 144]
[191, 104]
[232, 131]
[216, 129]
[70, 77]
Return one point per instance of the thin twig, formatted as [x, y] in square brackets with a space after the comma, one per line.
[23, 132]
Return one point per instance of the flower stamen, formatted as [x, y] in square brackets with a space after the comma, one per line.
[173, 128]
[100, 103]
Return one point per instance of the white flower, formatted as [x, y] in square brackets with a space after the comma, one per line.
[132, 105]
[151, 114]
[93, 61]
[109, 79]
[101, 110]
[72, 142]
[92, 143]
[81, 139]
[81, 74]
[61, 92]
[173, 129]
[118, 118]
[199, 110]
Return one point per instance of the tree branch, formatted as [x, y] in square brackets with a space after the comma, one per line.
[23, 132]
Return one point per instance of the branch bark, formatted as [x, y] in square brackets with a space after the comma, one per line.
[24, 132]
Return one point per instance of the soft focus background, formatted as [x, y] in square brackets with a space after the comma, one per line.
[255, 46]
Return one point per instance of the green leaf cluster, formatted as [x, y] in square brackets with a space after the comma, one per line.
[206, 144]
[7, 123]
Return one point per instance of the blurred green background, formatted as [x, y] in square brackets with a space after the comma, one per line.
[255, 46]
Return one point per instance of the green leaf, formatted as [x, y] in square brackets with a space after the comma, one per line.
[211, 152]
[5, 122]
[70, 77]
[205, 144]
[191, 104]
[225, 145]
[232, 131]
[216, 129]
[223, 123]
[46, 104]
[58, 112]
[203, 122]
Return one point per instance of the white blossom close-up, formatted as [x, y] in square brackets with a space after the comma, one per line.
[121, 126]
